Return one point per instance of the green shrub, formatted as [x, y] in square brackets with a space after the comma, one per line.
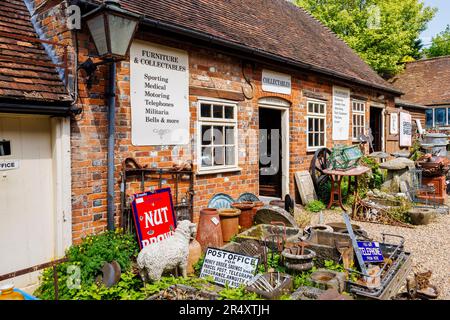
[315, 206]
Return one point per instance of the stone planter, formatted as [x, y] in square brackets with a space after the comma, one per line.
[327, 279]
[295, 260]
[229, 220]
[209, 231]
[246, 218]
[421, 216]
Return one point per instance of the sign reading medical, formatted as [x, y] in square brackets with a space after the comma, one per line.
[9, 165]
[405, 129]
[341, 113]
[276, 82]
[370, 251]
[228, 268]
[154, 216]
[159, 82]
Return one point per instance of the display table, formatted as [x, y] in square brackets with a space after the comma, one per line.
[336, 180]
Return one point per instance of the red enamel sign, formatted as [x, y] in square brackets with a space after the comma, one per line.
[154, 216]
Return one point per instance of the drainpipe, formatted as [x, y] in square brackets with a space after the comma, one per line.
[111, 93]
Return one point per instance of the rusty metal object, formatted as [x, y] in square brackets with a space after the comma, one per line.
[270, 285]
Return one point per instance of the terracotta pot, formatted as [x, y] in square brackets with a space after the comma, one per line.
[229, 219]
[246, 217]
[209, 231]
[195, 252]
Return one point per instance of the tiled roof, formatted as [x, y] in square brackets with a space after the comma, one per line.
[277, 27]
[425, 82]
[26, 71]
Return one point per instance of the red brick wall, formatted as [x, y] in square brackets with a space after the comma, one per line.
[208, 69]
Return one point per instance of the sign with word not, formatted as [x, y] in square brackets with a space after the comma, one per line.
[9, 165]
[159, 82]
[154, 216]
[276, 82]
[341, 113]
[228, 268]
[370, 251]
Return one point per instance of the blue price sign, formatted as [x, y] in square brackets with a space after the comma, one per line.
[370, 251]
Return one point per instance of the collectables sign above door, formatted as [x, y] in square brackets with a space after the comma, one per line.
[276, 82]
[159, 89]
[341, 113]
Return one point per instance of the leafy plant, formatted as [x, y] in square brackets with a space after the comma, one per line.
[315, 206]
[273, 262]
[239, 293]
[331, 265]
[198, 265]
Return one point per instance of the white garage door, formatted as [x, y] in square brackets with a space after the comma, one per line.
[27, 213]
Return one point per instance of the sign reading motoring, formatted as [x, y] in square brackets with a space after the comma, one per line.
[228, 267]
[9, 165]
[370, 251]
[276, 82]
[159, 82]
[405, 129]
[341, 113]
[154, 216]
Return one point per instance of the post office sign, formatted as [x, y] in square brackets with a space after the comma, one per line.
[9, 165]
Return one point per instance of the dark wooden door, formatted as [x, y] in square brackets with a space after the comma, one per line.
[270, 150]
[376, 125]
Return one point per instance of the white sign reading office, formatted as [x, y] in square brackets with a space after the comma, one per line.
[159, 82]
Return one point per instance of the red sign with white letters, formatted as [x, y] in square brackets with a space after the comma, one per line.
[154, 216]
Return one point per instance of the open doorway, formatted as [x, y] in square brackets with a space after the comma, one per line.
[270, 144]
[376, 126]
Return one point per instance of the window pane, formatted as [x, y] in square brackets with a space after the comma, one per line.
[206, 110]
[218, 135]
[207, 157]
[439, 116]
[322, 108]
[219, 156]
[429, 118]
[229, 112]
[316, 108]
[310, 124]
[217, 111]
[310, 140]
[310, 107]
[316, 139]
[316, 124]
[322, 125]
[230, 156]
[229, 135]
[206, 135]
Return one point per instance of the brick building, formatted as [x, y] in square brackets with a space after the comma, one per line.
[242, 66]
[427, 83]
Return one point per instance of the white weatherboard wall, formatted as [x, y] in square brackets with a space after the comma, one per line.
[35, 223]
[341, 113]
[159, 81]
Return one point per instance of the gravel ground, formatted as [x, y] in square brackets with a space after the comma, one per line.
[429, 245]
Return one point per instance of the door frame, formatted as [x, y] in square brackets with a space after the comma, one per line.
[283, 106]
[62, 180]
[383, 120]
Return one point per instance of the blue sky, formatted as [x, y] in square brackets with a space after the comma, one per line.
[439, 22]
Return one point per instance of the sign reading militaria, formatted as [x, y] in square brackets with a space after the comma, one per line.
[341, 113]
[159, 85]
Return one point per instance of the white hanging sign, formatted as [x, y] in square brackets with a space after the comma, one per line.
[405, 129]
[276, 82]
[9, 165]
[341, 113]
[159, 85]
[394, 123]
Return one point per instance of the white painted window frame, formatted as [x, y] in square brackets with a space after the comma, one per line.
[315, 115]
[210, 121]
[360, 113]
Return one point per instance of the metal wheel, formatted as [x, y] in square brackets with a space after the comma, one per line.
[318, 164]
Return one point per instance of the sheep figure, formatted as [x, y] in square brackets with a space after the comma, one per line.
[166, 255]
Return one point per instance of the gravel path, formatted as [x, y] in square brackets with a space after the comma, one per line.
[429, 245]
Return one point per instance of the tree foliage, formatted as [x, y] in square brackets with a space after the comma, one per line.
[440, 44]
[383, 32]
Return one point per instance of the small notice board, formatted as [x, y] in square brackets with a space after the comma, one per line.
[154, 216]
[228, 268]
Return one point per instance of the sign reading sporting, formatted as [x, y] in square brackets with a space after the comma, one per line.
[154, 216]
[228, 268]
[370, 251]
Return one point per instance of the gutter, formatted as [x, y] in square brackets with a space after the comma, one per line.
[60, 110]
[253, 52]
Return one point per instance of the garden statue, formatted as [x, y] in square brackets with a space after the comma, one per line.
[168, 254]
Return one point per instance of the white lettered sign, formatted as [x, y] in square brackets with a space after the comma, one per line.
[405, 129]
[228, 268]
[9, 165]
[276, 82]
[159, 82]
[394, 123]
[341, 113]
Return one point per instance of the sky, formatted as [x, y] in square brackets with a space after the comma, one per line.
[440, 20]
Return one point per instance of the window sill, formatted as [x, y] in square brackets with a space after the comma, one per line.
[314, 149]
[217, 171]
